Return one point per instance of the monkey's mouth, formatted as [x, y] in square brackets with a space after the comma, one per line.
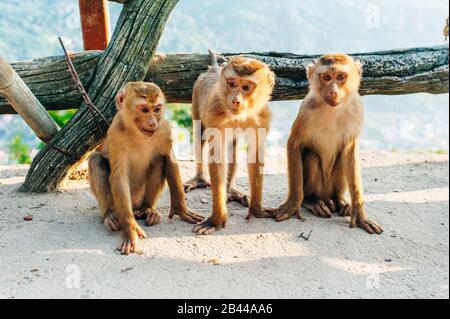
[333, 103]
[236, 111]
[148, 132]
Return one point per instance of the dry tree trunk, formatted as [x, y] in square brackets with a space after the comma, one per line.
[390, 72]
[127, 58]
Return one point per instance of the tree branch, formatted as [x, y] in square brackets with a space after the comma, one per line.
[396, 72]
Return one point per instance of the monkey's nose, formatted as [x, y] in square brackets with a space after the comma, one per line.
[152, 126]
[236, 103]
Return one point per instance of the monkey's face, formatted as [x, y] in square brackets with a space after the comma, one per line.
[142, 105]
[334, 77]
[247, 83]
[333, 84]
[239, 94]
[147, 115]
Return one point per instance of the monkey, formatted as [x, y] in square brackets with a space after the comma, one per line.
[323, 146]
[234, 97]
[129, 170]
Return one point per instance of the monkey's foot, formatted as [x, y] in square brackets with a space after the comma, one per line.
[319, 208]
[237, 196]
[341, 207]
[187, 215]
[259, 212]
[196, 182]
[112, 222]
[206, 227]
[140, 214]
[129, 241]
[285, 212]
[152, 217]
[369, 226]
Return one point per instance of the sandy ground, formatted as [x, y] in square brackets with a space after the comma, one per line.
[66, 252]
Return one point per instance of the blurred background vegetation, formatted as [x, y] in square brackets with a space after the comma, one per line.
[19, 151]
[412, 123]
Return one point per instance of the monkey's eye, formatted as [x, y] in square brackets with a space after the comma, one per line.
[232, 84]
[327, 78]
[341, 77]
[158, 108]
[248, 87]
[145, 110]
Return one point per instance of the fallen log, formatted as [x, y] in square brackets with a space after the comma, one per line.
[397, 72]
[51, 82]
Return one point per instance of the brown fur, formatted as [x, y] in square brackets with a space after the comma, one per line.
[245, 67]
[335, 58]
[213, 105]
[323, 160]
[129, 170]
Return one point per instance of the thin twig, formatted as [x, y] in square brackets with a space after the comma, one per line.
[81, 88]
[306, 238]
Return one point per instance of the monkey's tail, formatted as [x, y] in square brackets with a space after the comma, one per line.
[213, 59]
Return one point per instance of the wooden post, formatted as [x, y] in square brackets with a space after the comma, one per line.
[95, 24]
[14, 89]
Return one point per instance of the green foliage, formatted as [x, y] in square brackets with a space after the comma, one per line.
[18, 151]
[182, 115]
[62, 117]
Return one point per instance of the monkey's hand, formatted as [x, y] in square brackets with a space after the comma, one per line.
[129, 239]
[209, 226]
[259, 212]
[187, 215]
[285, 212]
[369, 226]
[360, 220]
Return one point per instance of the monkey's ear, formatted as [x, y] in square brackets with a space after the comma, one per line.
[359, 66]
[310, 69]
[120, 97]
